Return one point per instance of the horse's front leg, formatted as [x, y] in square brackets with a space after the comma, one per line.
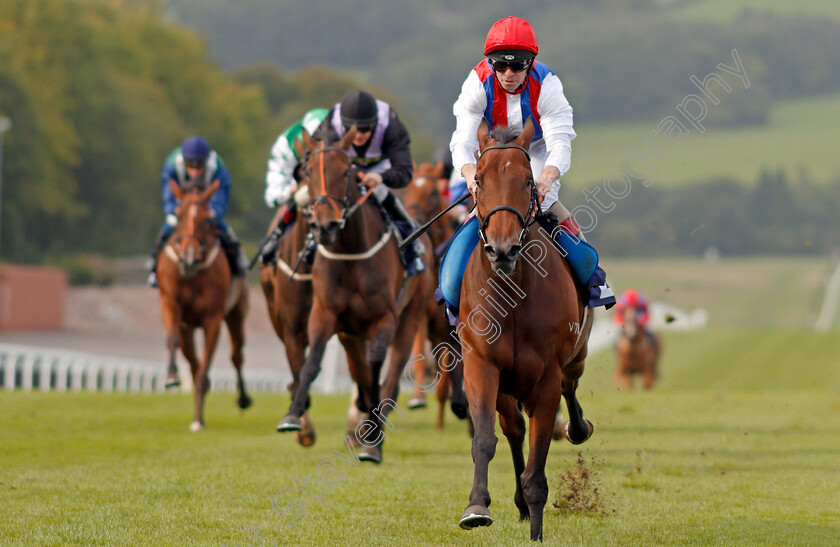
[513, 426]
[577, 429]
[171, 313]
[372, 435]
[321, 328]
[481, 379]
[542, 409]
[212, 327]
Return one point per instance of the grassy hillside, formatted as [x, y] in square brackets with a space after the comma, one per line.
[745, 293]
[800, 134]
[726, 9]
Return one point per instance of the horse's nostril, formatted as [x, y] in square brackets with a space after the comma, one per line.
[513, 253]
[490, 251]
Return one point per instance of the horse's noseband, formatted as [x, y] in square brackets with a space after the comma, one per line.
[524, 220]
[343, 207]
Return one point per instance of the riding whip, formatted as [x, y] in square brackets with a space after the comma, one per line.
[422, 229]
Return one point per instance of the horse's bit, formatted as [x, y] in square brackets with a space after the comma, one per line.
[346, 209]
[532, 204]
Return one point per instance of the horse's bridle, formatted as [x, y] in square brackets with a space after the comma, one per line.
[525, 220]
[343, 207]
[192, 233]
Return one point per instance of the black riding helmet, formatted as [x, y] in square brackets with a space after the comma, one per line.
[358, 107]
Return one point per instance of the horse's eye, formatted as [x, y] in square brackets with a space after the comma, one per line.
[477, 182]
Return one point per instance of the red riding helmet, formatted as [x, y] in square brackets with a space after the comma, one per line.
[511, 33]
[631, 297]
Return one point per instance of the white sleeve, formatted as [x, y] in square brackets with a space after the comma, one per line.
[556, 123]
[280, 180]
[469, 111]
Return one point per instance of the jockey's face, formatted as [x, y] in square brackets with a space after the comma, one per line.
[511, 80]
[363, 133]
[195, 169]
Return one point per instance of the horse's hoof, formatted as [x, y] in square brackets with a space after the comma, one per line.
[475, 515]
[196, 426]
[416, 402]
[305, 440]
[244, 402]
[590, 430]
[172, 381]
[290, 423]
[371, 454]
[460, 411]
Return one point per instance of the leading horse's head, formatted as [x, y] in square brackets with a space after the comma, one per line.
[194, 233]
[506, 194]
[333, 184]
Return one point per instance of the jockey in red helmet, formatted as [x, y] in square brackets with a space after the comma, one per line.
[506, 88]
[632, 299]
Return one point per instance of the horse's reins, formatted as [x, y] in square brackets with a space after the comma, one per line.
[346, 210]
[532, 204]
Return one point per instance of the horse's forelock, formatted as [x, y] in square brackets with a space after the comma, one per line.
[505, 134]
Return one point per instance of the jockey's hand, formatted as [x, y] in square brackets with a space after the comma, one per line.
[172, 220]
[371, 180]
[546, 180]
[468, 172]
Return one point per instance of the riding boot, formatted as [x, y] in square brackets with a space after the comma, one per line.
[233, 250]
[413, 255]
[269, 246]
[152, 261]
[581, 256]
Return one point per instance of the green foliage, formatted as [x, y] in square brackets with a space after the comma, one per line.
[87, 269]
[99, 92]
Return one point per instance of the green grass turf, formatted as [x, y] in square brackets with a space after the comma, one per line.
[739, 153]
[738, 444]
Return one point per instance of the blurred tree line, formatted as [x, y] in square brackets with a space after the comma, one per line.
[618, 59]
[99, 92]
[779, 213]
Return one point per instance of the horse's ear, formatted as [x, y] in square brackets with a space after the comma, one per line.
[483, 134]
[205, 195]
[524, 139]
[438, 172]
[348, 138]
[176, 190]
[307, 143]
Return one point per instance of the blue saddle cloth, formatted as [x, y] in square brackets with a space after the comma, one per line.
[581, 256]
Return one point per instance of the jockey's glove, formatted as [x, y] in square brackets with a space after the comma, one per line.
[171, 220]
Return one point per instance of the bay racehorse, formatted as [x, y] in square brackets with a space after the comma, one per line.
[287, 286]
[518, 349]
[637, 352]
[424, 200]
[197, 291]
[360, 291]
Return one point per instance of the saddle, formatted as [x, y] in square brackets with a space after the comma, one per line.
[580, 255]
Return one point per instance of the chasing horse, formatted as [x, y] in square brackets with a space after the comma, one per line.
[423, 198]
[524, 322]
[287, 285]
[197, 290]
[360, 289]
[638, 348]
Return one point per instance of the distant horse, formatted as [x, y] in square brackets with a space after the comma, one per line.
[523, 353]
[287, 285]
[196, 291]
[638, 352]
[423, 199]
[359, 289]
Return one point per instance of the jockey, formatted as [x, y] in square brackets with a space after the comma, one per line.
[195, 162]
[283, 175]
[632, 299]
[507, 88]
[381, 152]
